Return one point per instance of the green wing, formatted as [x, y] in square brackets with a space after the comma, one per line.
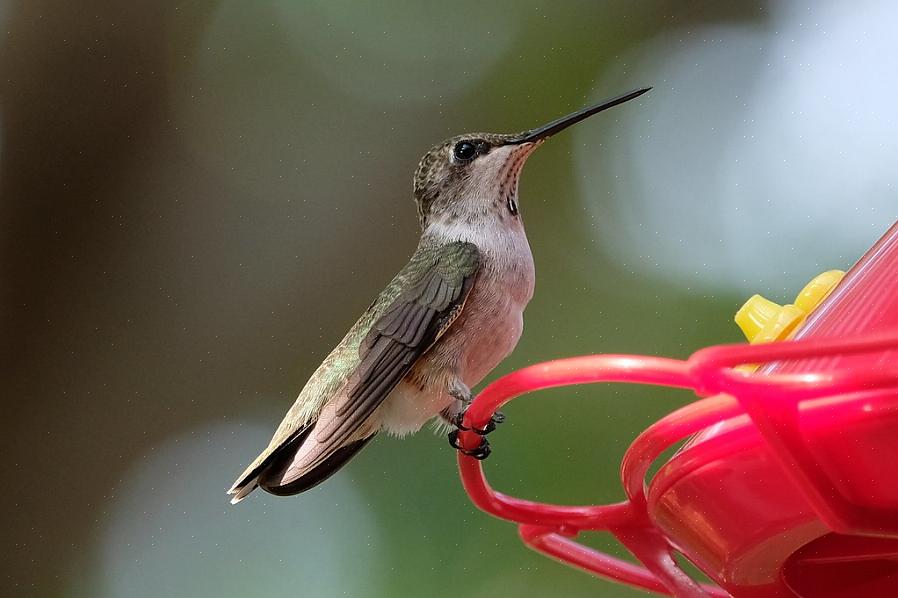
[434, 292]
[415, 309]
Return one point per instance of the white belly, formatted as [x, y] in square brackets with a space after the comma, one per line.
[408, 408]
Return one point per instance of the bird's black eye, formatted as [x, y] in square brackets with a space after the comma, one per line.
[464, 151]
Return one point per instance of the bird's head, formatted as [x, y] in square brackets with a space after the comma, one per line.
[474, 175]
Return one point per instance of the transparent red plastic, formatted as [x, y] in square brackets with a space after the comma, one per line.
[788, 483]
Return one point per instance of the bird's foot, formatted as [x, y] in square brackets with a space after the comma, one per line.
[497, 418]
[480, 452]
[463, 395]
[458, 419]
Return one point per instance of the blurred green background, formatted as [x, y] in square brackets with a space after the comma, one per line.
[197, 199]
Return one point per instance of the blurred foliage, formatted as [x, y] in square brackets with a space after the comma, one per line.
[199, 198]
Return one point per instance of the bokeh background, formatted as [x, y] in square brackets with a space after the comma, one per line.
[198, 198]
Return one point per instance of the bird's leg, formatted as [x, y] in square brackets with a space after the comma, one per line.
[455, 417]
[461, 393]
[480, 452]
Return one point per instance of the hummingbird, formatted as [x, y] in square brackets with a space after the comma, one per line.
[450, 316]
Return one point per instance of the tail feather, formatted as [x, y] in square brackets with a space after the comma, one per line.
[248, 480]
[294, 472]
[297, 465]
[242, 492]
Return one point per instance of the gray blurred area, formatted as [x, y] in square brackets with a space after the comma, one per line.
[197, 200]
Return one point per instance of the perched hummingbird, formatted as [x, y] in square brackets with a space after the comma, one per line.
[450, 316]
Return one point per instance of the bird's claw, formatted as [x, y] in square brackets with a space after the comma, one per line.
[497, 418]
[458, 420]
[480, 452]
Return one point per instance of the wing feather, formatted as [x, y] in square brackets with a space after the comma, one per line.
[421, 303]
[418, 317]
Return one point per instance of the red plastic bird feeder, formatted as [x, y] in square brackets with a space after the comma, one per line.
[788, 484]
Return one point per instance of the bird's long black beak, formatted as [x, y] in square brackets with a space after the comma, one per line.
[564, 122]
